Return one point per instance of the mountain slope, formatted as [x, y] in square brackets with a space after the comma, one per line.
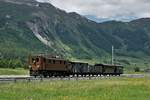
[28, 26]
[133, 35]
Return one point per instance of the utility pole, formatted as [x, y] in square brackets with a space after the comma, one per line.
[47, 45]
[47, 49]
[112, 59]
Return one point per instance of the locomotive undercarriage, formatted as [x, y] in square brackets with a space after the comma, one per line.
[44, 73]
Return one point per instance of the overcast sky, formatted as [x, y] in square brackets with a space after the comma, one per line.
[105, 9]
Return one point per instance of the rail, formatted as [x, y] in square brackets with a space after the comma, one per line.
[30, 79]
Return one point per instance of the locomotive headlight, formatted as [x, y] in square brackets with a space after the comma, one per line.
[38, 66]
[29, 66]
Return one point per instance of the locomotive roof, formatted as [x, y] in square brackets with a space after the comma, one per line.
[78, 62]
[57, 59]
[51, 58]
[108, 65]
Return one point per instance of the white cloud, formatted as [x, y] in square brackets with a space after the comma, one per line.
[112, 9]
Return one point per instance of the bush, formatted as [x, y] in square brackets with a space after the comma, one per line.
[137, 69]
[11, 63]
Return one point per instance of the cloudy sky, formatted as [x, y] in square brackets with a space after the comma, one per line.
[105, 9]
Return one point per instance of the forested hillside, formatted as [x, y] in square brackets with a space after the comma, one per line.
[29, 27]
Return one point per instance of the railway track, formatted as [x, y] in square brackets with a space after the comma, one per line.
[14, 78]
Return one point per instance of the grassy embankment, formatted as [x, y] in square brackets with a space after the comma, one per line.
[17, 71]
[104, 89]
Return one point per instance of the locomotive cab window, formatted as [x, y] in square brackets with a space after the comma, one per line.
[53, 61]
[37, 59]
[44, 60]
[49, 61]
[33, 60]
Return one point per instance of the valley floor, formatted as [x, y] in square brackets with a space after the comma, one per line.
[119, 88]
[17, 71]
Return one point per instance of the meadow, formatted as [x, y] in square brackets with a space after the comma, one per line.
[17, 71]
[119, 88]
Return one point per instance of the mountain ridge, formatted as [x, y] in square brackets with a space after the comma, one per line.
[29, 27]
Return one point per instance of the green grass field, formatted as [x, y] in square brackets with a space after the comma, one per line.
[104, 89]
[18, 71]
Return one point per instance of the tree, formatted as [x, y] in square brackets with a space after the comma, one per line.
[137, 69]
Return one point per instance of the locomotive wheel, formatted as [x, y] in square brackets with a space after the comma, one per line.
[50, 75]
[45, 76]
[35, 76]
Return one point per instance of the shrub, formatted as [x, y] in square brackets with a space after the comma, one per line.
[137, 69]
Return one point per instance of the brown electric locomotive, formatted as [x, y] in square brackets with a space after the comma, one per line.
[48, 66]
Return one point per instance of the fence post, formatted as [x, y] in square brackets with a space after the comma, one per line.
[15, 80]
[89, 77]
[29, 79]
[41, 79]
[77, 77]
[69, 77]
